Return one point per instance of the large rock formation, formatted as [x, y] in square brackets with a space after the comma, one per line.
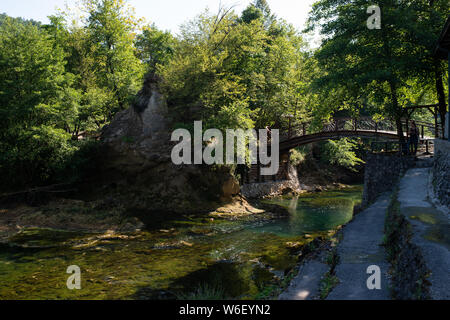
[136, 162]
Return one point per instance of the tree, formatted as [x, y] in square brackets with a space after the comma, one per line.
[31, 79]
[251, 13]
[433, 71]
[4, 17]
[84, 103]
[240, 72]
[155, 47]
[117, 66]
[375, 64]
[31, 73]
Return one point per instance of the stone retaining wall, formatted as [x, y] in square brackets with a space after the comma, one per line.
[441, 171]
[409, 272]
[382, 173]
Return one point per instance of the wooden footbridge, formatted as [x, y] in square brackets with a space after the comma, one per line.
[364, 127]
[383, 132]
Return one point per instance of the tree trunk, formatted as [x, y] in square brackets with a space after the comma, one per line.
[397, 112]
[441, 97]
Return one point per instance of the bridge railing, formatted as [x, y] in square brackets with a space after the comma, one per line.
[299, 129]
[426, 147]
[426, 129]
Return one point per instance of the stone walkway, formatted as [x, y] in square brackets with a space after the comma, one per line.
[359, 249]
[306, 285]
[431, 229]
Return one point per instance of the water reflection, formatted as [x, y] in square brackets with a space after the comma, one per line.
[313, 213]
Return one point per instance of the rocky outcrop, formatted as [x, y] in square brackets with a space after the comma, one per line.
[142, 129]
[272, 188]
[137, 167]
[441, 171]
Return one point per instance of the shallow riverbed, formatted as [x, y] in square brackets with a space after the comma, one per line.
[193, 257]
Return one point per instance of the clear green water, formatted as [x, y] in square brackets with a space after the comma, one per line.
[233, 259]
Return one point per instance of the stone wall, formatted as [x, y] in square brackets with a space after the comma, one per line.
[382, 173]
[441, 171]
[408, 272]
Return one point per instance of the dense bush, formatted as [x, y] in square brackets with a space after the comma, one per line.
[297, 157]
[341, 152]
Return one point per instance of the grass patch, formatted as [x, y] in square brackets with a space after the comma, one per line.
[327, 284]
[329, 280]
[204, 292]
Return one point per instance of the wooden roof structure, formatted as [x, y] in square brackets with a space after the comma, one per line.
[442, 50]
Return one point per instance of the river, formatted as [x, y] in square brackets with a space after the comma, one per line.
[194, 257]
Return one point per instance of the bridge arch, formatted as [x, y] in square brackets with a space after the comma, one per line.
[288, 144]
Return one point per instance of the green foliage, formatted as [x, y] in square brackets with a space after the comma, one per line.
[4, 17]
[117, 67]
[297, 157]
[341, 153]
[239, 71]
[31, 73]
[31, 77]
[377, 65]
[327, 284]
[58, 83]
[63, 81]
[155, 47]
[37, 154]
[250, 14]
[204, 292]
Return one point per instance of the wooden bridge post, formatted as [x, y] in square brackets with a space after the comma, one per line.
[423, 132]
[407, 127]
[436, 128]
[258, 164]
[427, 151]
[290, 128]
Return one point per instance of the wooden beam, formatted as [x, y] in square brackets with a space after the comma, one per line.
[422, 107]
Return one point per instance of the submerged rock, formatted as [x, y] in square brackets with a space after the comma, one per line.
[40, 238]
